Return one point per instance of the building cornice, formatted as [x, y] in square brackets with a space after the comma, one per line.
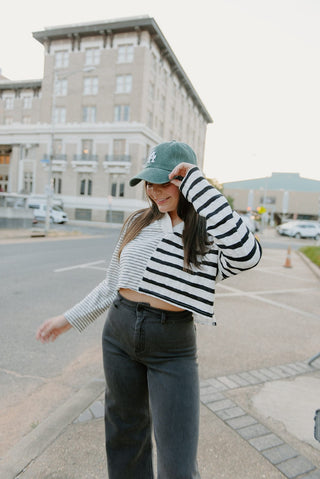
[136, 24]
[20, 84]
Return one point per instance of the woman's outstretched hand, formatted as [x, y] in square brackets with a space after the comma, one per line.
[52, 328]
[179, 172]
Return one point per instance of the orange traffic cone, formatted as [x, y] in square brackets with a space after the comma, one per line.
[287, 263]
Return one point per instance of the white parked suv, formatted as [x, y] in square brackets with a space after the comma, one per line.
[57, 215]
[300, 229]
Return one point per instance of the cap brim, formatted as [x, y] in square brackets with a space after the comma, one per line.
[153, 175]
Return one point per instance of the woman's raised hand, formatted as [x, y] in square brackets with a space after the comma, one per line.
[179, 172]
[52, 328]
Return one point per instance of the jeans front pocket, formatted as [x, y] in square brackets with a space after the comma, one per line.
[119, 325]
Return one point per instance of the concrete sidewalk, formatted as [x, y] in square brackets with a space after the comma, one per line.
[258, 392]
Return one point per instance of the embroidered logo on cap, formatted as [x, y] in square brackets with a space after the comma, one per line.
[152, 157]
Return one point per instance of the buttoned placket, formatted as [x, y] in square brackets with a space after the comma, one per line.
[139, 331]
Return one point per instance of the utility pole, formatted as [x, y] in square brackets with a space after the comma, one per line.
[49, 191]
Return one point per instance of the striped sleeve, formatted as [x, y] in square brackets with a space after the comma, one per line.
[238, 248]
[100, 298]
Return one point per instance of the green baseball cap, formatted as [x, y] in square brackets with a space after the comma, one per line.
[161, 161]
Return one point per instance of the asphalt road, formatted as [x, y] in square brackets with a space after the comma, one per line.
[41, 279]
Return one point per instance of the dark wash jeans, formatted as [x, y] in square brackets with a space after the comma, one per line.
[150, 364]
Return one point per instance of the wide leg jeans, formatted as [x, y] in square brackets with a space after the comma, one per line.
[150, 364]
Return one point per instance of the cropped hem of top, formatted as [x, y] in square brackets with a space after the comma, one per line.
[153, 263]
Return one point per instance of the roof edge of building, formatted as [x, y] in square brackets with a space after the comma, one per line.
[20, 84]
[278, 181]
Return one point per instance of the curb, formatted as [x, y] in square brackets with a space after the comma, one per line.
[35, 443]
[314, 268]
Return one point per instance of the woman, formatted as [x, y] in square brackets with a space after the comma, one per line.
[161, 277]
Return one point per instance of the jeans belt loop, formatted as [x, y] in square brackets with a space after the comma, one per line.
[163, 317]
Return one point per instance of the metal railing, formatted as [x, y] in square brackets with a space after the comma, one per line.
[118, 158]
[60, 157]
[88, 158]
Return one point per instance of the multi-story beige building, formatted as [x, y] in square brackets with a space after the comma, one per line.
[110, 92]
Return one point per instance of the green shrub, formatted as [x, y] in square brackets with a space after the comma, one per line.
[312, 252]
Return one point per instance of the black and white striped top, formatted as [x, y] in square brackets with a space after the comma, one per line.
[153, 263]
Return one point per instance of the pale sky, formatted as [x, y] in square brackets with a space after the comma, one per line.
[254, 63]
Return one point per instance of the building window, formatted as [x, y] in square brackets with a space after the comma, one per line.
[8, 120]
[163, 102]
[119, 147]
[4, 183]
[86, 147]
[267, 200]
[117, 189]
[86, 186]
[117, 112]
[27, 182]
[8, 102]
[165, 77]
[59, 115]
[28, 152]
[61, 59]
[92, 56]
[57, 147]
[173, 114]
[4, 159]
[27, 102]
[122, 113]
[83, 214]
[62, 87]
[114, 216]
[150, 119]
[151, 91]
[124, 83]
[154, 62]
[90, 86]
[57, 184]
[89, 114]
[125, 54]
[114, 189]
[26, 120]
[121, 190]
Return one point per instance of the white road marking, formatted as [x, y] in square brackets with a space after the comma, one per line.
[277, 273]
[257, 295]
[239, 292]
[78, 266]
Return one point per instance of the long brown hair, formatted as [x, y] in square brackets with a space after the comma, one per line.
[194, 237]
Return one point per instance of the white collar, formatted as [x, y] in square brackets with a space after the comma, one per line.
[167, 227]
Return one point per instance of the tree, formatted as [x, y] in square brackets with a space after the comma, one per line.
[219, 186]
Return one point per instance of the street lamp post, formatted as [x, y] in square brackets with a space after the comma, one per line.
[49, 191]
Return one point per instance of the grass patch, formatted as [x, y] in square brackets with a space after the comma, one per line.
[312, 252]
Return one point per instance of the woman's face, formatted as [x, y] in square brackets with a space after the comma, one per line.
[166, 196]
